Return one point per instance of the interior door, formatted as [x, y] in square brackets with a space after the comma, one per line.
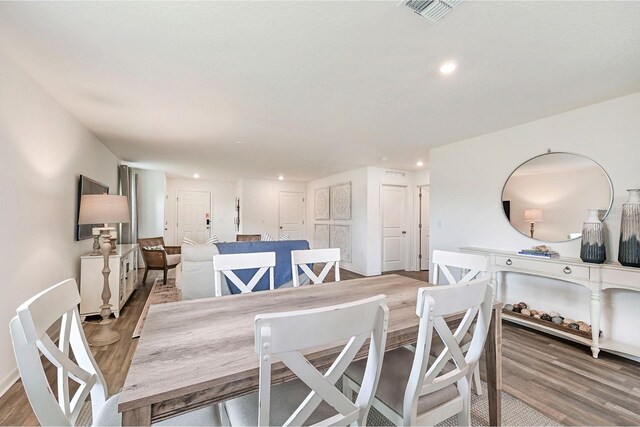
[291, 215]
[194, 216]
[394, 232]
[424, 227]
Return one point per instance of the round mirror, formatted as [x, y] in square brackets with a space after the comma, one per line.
[547, 197]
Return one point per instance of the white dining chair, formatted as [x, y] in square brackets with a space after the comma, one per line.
[225, 264]
[413, 389]
[471, 267]
[30, 339]
[313, 397]
[302, 258]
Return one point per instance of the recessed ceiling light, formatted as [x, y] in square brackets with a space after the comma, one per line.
[281, 177]
[419, 164]
[384, 159]
[239, 142]
[196, 176]
[448, 67]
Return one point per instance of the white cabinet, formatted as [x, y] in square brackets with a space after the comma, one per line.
[122, 280]
[595, 277]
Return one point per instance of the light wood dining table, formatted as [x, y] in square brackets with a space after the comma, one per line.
[201, 352]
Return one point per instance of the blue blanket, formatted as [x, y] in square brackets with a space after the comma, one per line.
[282, 270]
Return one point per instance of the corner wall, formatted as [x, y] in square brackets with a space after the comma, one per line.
[43, 151]
[467, 180]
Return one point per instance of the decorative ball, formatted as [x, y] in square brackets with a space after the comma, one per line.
[508, 307]
[534, 312]
[517, 308]
[545, 316]
[541, 312]
[523, 305]
[567, 321]
[537, 316]
[557, 320]
[554, 314]
[574, 326]
[525, 312]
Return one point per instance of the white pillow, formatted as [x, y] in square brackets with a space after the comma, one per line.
[154, 248]
[266, 237]
[285, 236]
[211, 241]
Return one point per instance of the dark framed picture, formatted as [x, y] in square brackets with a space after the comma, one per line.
[88, 186]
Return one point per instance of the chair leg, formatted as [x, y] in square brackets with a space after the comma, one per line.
[144, 278]
[477, 385]
[165, 276]
[464, 417]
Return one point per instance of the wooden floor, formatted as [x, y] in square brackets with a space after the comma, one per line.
[558, 378]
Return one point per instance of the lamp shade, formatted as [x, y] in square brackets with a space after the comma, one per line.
[533, 215]
[103, 209]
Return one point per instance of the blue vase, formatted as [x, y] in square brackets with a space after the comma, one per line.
[592, 249]
[629, 251]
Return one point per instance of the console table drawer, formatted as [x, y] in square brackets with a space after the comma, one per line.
[621, 278]
[544, 266]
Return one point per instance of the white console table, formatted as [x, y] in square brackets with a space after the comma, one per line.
[122, 279]
[595, 277]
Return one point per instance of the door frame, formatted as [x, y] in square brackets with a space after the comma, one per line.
[175, 224]
[304, 211]
[406, 247]
[417, 218]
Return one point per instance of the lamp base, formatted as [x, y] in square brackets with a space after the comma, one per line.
[105, 335]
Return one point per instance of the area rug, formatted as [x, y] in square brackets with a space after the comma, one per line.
[514, 413]
[160, 293]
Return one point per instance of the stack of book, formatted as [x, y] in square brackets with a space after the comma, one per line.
[538, 253]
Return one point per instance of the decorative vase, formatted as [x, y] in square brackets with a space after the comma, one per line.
[629, 252]
[593, 249]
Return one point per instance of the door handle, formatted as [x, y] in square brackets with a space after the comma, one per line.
[280, 228]
[404, 232]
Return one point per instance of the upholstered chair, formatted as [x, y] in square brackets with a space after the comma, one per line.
[157, 256]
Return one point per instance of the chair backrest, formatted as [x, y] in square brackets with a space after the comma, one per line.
[286, 336]
[444, 260]
[474, 299]
[248, 237]
[225, 264]
[153, 258]
[301, 258]
[30, 338]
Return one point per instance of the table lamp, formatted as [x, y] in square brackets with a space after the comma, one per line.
[104, 209]
[533, 216]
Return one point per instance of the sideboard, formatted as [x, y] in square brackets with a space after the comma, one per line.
[122, 279]
[595, 277]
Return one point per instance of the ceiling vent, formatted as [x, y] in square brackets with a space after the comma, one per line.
[433, 10]
[394, 173]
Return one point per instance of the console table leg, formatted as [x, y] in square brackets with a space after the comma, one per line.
[595, 322]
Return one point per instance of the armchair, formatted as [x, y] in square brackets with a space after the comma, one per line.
[158, 259]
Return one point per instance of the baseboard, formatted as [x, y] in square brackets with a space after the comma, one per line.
[353, 270]
[9, 381]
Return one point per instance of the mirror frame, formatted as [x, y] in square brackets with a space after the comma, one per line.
[504, 214]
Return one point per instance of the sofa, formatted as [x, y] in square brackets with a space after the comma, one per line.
[194, 275]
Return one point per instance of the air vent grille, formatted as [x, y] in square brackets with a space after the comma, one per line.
[394, 173]
[433, 10]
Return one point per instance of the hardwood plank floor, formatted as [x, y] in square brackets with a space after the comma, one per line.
[556, 377]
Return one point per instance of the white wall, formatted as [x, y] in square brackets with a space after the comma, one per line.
[43, 151]
[359, 236]
[467, 180]
[223, 195]
[366, 225]
[151, 203]
[260, 204]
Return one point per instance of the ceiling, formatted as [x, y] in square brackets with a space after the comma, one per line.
[314, 88]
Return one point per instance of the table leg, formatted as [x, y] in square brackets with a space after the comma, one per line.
[493, 353]
[137, 417]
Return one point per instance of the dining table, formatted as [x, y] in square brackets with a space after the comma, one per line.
[202, 352]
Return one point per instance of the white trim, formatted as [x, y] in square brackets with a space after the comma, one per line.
[9, 381]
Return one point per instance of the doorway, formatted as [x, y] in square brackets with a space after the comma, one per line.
[291, 215]
[193, 219]
[393, 202]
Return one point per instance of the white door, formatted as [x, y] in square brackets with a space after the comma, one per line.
[394, 231]
[424, 227]
[194, 216]
[291, 215]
